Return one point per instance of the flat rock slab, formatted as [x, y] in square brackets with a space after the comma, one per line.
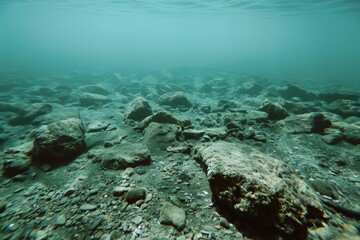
[258, 188]
[121, 156]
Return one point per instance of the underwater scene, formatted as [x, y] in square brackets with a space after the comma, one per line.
[179, 119]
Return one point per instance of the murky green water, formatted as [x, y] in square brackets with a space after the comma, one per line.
[294, 40]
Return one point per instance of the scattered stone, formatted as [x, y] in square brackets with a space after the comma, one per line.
[324, 188]
[119, 191]
[91, 99]
[175, 100]
[87, 207]
[333, 96]
[2, 206]
[247, 182]
[257, 116]
[179, 149]
[133, 195]
[98, 126]
[35, 111]
[304, 123]
[58, 142]
[96, 89]
[138, 110]
[224, 223]
[332, 135]
[121, 156]
[160, 136]
[172, 215]
[13, 167]
[193, 134]
[345, 108]
[251, 88]
[275, 111]
[137, 220]
[290, 91]
[61, 220]
[163, 117]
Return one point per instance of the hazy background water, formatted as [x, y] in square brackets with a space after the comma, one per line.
[317, 40]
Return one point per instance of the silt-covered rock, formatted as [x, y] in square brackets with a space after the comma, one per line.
[258, 188]
[58, 142]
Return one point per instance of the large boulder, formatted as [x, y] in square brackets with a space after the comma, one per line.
[121, 156]
[258, 188]
[58, 142]
[175, 100]
[138, 110]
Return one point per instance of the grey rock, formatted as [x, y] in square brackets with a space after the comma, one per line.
[98, 126]
[61, 220]
[257, 116]
[96, 89]
[249, 183]
[121, 156]
[58, 142]
[290, 91]
[304, 123]
[160, 136]
[91, 99]
[163, 117]
[275, 111]
[172, 215]
[87, 207]
[138, 110]
[193, 134]
[119, 191]
[251, 88]
[137, 220]
[324, 188]
[2, 206]
[36, 110]
[133, 195]
[345, 108]
[175, 100]
[13, 167]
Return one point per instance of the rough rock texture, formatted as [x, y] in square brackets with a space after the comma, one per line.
[163, 117]
[251, 88]
[258, 188]
[275, 111]
[172, 215]
[92, 99]
[58, 142]
[175, 100]
[160, 136]
[121, 156]
[305, 123]
[138, 110]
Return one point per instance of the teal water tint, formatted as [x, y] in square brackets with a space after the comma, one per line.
[310, 39]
